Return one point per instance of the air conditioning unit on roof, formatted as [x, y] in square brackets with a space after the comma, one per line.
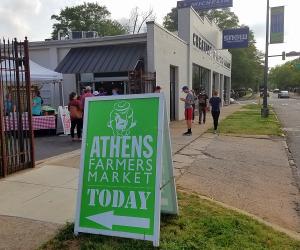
[91, 34]
[76, 34]
[83, 34]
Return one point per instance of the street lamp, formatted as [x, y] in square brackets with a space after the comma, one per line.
[265, 109]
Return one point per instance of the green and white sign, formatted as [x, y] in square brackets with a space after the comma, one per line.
[126, 150]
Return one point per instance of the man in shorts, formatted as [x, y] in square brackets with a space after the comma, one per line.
[188, 109]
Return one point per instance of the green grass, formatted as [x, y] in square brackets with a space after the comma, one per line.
[200, 225]
[248, 121]
[249, 95]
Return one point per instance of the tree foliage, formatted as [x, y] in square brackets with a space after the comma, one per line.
[171, 20]
[285, 76]
[224, 18]
[247, 68]
[86, 17]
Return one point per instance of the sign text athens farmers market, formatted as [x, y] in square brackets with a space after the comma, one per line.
[121, 167]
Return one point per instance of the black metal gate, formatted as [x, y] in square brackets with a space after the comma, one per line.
[16, 134]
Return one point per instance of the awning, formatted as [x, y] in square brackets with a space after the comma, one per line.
[102, 59]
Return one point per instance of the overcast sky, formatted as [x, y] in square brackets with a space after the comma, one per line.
[19, 18]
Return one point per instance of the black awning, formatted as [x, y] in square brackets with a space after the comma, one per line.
[102, 59]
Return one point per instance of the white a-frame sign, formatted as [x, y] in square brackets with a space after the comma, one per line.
[126, 175]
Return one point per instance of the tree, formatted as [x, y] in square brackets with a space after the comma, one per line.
[86, 17]
[137, 20]
[247, 67]
[285, 76]
[171, 20]
[224, 18]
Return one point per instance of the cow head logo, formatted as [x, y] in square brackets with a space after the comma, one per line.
[121, 119]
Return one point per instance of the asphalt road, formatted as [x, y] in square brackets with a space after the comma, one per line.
[288, 111]
[49, 146]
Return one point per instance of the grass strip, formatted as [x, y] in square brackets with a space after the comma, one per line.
[201, 224]
[248, 121]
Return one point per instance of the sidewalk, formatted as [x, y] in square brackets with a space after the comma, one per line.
[47, 194]
[295, 95]
[251, 174]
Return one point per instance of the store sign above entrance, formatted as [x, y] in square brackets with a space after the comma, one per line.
[205, 4]
[236, 38]
[126, 176]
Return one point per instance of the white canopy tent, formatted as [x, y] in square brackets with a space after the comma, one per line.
[47, 80]
[37, 72]
[40, 73]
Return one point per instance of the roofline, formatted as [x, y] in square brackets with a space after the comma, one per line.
[167, 31]
[205, 18]
[75, 43]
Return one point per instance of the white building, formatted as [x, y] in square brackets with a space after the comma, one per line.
[135, 63]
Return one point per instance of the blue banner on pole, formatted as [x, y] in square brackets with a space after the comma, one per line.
[205, 4]
[236, 38]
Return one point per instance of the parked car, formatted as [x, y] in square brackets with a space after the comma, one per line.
[283, 94]
[276, 91]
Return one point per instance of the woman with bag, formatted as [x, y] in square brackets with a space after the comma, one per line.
[76, 116]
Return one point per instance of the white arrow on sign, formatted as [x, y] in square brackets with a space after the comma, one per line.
[108, 219]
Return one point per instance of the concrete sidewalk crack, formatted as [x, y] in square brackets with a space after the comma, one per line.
[42, 185]
[212, 156]
[39, 195]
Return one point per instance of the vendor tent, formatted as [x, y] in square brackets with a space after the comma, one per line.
[37, 72]
[40, 73]
[40, 76]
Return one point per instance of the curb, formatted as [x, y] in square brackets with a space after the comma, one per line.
[292, 163]
[276, 116]
[58, 157]
[277, 228]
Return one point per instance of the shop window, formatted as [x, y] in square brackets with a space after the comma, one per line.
[201, 78]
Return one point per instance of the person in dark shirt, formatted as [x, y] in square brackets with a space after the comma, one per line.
[194, 103]
[215, 103]
[9, 105]
[75, 110]
[203, 101]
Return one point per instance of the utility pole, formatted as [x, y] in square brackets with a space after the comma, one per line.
[265, 109]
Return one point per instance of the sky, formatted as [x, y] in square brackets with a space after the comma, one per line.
[31, 18]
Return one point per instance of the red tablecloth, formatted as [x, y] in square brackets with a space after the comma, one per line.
[38, 122]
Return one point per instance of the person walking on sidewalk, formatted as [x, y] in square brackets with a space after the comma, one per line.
[76, 116]
[188, 109]
[215, 103]
[203, 102]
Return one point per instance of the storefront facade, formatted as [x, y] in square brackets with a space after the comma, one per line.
[136, 63]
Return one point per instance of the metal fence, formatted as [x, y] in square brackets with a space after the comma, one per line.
[16, 133]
